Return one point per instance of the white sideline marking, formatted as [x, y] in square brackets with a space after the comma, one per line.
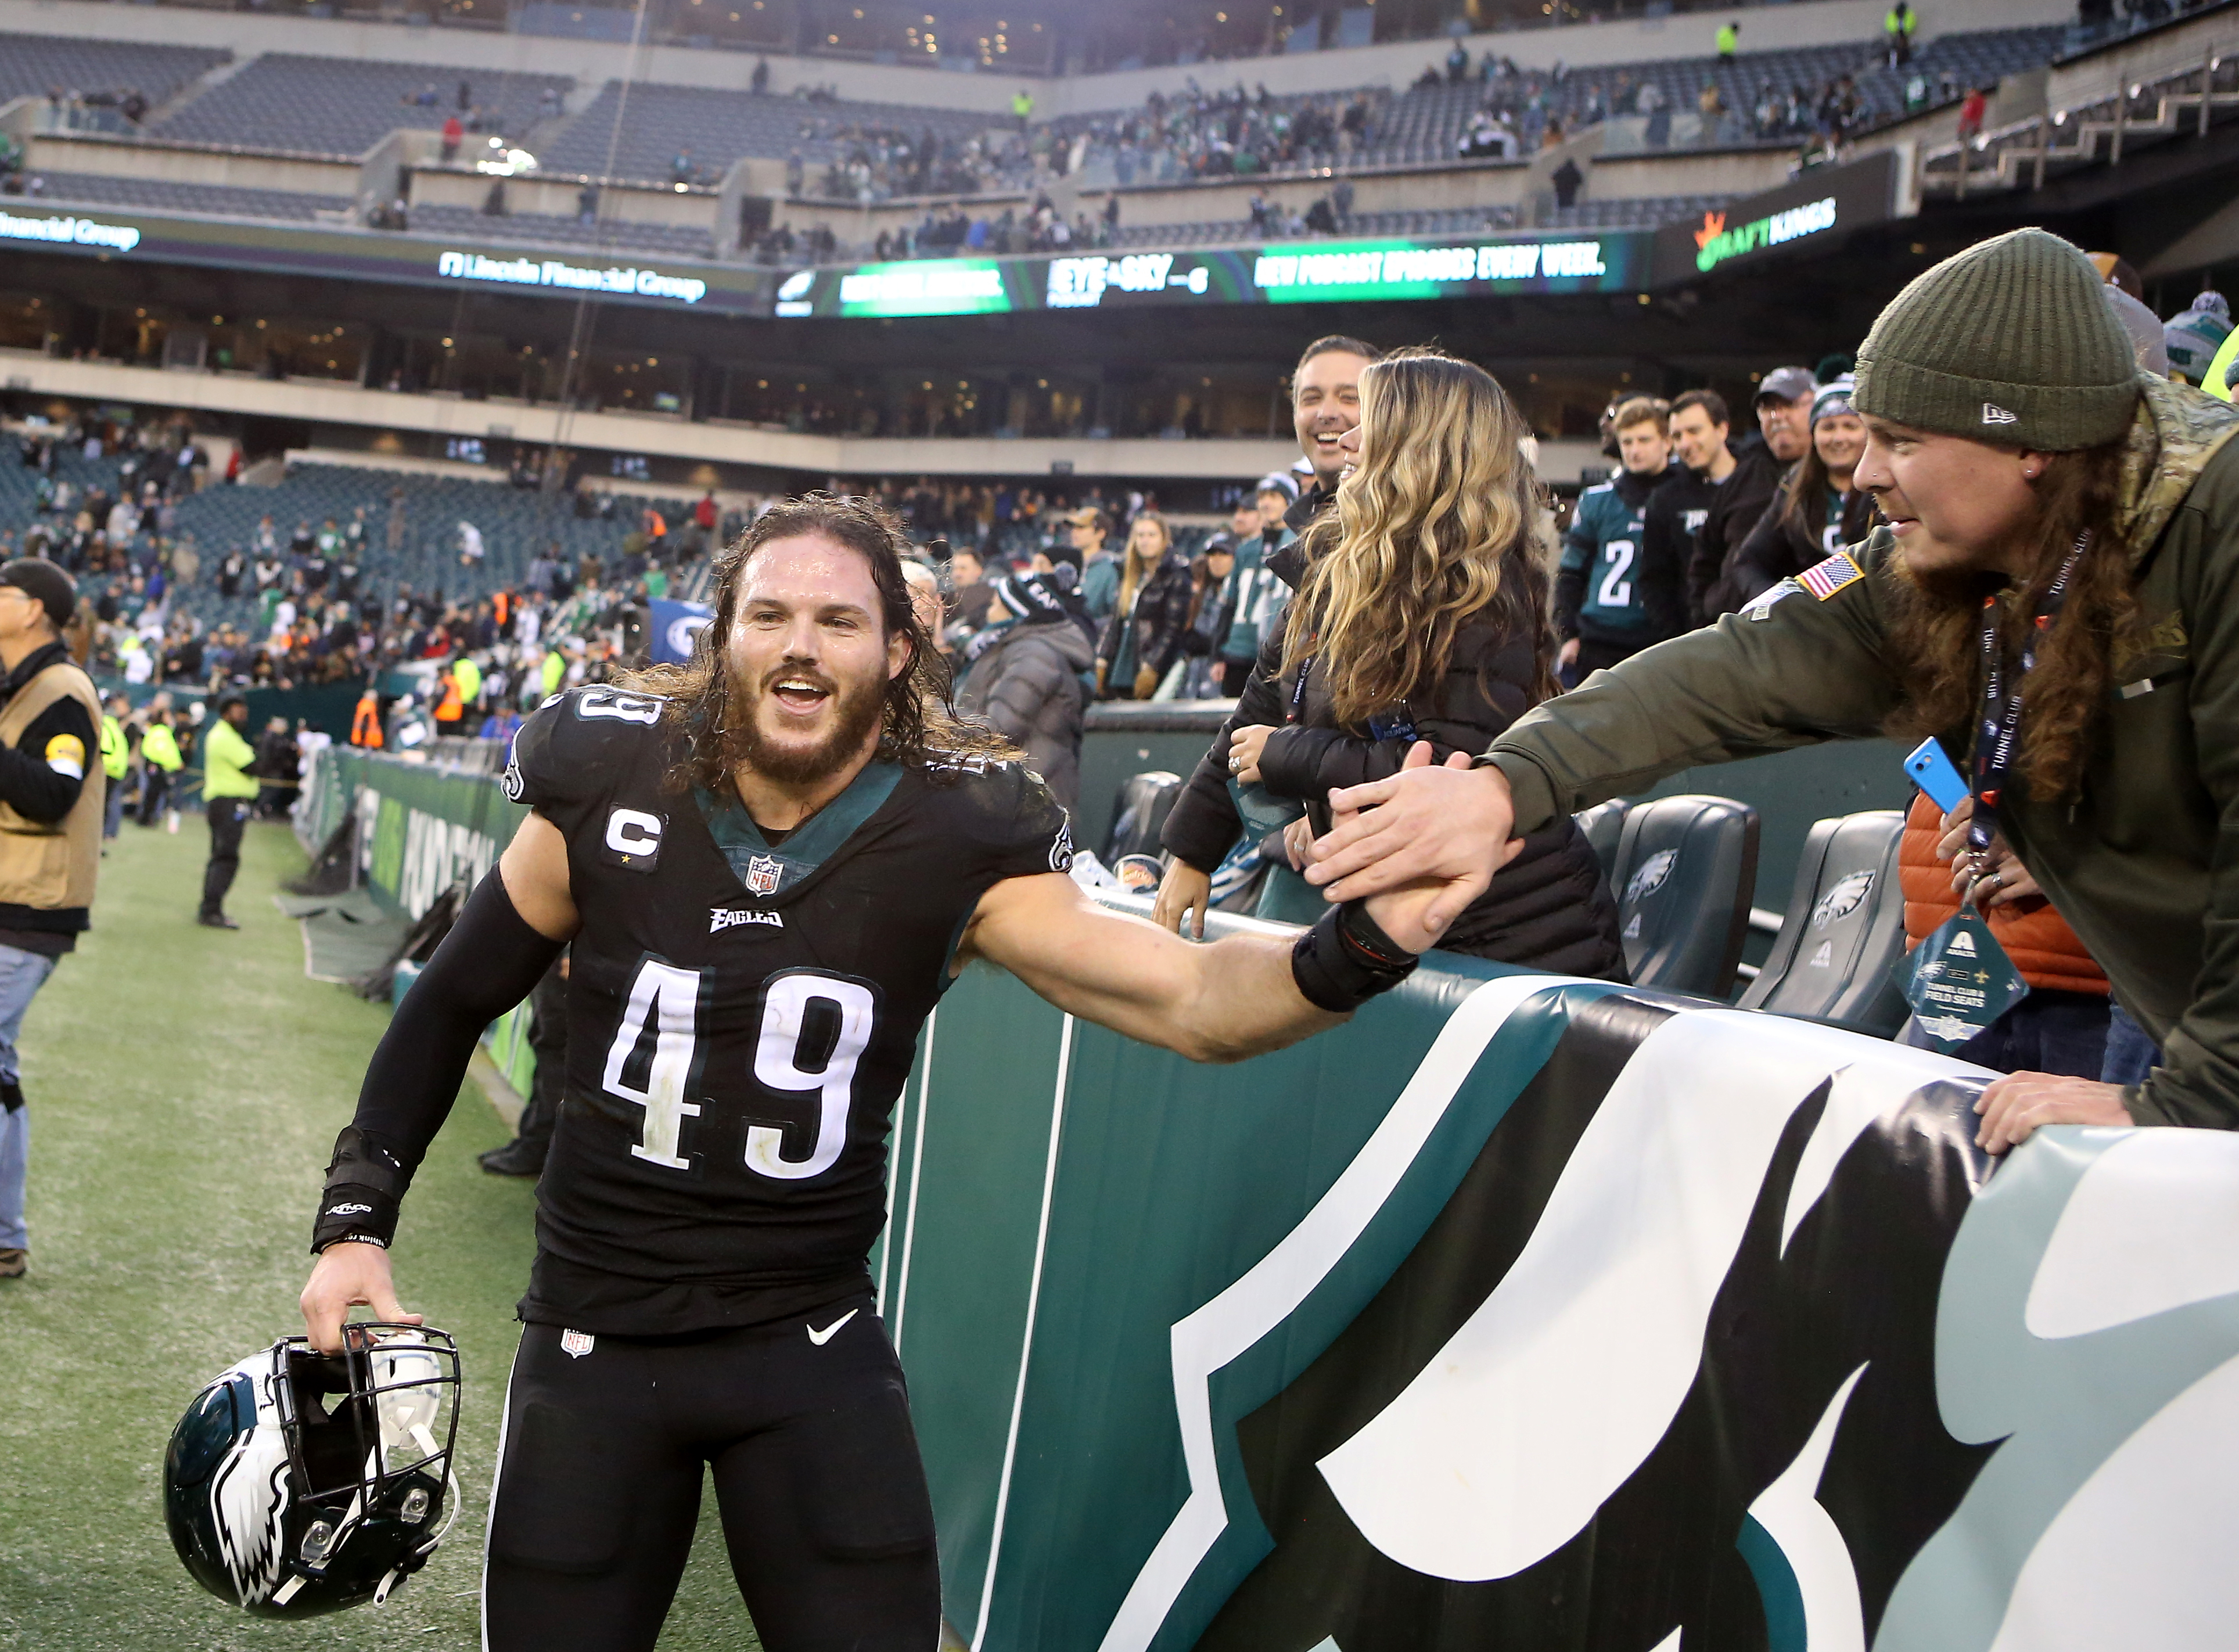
[917, 1165]
[1026, 1344]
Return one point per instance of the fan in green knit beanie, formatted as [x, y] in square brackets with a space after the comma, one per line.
[2010, 341]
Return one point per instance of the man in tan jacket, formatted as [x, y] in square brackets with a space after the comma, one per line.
[50, 809]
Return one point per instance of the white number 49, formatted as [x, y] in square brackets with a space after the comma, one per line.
[667, 998]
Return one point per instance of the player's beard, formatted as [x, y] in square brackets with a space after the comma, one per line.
[856, 707]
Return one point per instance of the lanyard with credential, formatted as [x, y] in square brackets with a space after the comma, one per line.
[2002, 705]
[1959, 979]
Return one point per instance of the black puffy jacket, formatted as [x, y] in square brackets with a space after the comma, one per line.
[1546, 909]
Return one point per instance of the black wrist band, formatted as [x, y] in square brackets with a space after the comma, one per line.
[358, 1215]
[1347, 959]
[366, 1181]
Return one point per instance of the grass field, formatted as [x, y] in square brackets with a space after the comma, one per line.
[186, 1085]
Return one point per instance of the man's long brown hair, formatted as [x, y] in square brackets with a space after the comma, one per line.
[918, 720]
[1936, 620]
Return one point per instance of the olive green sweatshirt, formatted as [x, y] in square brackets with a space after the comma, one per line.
[2142, 860]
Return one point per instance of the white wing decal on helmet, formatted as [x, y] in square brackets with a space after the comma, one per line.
[249, 1502]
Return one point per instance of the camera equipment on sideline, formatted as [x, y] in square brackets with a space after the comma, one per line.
[301, 1482]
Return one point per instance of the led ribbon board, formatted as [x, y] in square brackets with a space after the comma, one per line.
[919, 286]
[69, 232]
[557, 272]
[1819, 209]
[1296, 272]
[1413, 270]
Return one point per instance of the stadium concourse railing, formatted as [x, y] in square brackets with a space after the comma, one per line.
[1516, 1304]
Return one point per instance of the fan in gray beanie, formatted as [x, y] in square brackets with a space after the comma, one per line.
[2047, 507]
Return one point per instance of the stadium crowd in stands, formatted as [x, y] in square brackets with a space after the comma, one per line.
[841, 152]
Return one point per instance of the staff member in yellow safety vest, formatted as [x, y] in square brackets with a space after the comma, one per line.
[115, 761]
[365, 721]
[160, 760]
[229, 789]
[555, 669]
[469, 677]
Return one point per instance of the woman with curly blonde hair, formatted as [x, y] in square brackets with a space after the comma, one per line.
[1422, 614]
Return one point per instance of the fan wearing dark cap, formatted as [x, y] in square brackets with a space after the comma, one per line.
[50, 807]
[1029, 675]
[1784, 417]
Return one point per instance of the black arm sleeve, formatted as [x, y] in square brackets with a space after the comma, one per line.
[30, 782]
[488, 964]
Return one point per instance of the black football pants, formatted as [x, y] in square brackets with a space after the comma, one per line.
[226, 816]
[823, 1498]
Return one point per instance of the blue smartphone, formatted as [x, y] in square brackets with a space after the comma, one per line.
[1933, 772]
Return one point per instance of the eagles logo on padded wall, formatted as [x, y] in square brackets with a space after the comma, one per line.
[1728, 1339]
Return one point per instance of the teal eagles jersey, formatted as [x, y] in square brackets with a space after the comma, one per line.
[1603, 546]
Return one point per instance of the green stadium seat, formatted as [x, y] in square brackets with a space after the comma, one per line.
[1603, 825]
[1685, 869]
[1845, 931]
[1140, 812]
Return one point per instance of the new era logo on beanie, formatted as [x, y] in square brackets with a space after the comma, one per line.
[2011, 341]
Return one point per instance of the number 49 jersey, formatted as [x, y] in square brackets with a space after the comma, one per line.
[742, 1015]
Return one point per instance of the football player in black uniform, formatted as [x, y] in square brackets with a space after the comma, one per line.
[770, 862]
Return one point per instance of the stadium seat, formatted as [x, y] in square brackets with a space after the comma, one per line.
[1845, 931]
[1685, 869]
[1603, 825]
[1138, 814]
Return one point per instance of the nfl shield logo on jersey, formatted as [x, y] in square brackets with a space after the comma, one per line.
[576, 1343]
[762, 874]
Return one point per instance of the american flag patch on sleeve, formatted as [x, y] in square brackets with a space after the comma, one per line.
[1826, 578]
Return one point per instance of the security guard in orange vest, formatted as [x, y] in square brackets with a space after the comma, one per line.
[365, 721]
[450, 703]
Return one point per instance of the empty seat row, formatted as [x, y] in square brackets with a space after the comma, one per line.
[716, 127]
[681, 240]
[161, 194]
[343, 107]
[36, 65]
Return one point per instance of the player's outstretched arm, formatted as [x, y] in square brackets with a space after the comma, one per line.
[506, 936]
[1236, 997]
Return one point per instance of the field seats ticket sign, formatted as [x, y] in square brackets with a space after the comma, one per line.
[1302, 272]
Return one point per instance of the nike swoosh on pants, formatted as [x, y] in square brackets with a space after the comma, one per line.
[820, 1337]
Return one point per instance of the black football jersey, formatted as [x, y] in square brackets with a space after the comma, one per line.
[741, 1016]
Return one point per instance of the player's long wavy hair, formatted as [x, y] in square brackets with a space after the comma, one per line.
[1431, 530]
[919, 719]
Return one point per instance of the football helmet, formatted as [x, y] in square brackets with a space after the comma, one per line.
[301, 1482]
